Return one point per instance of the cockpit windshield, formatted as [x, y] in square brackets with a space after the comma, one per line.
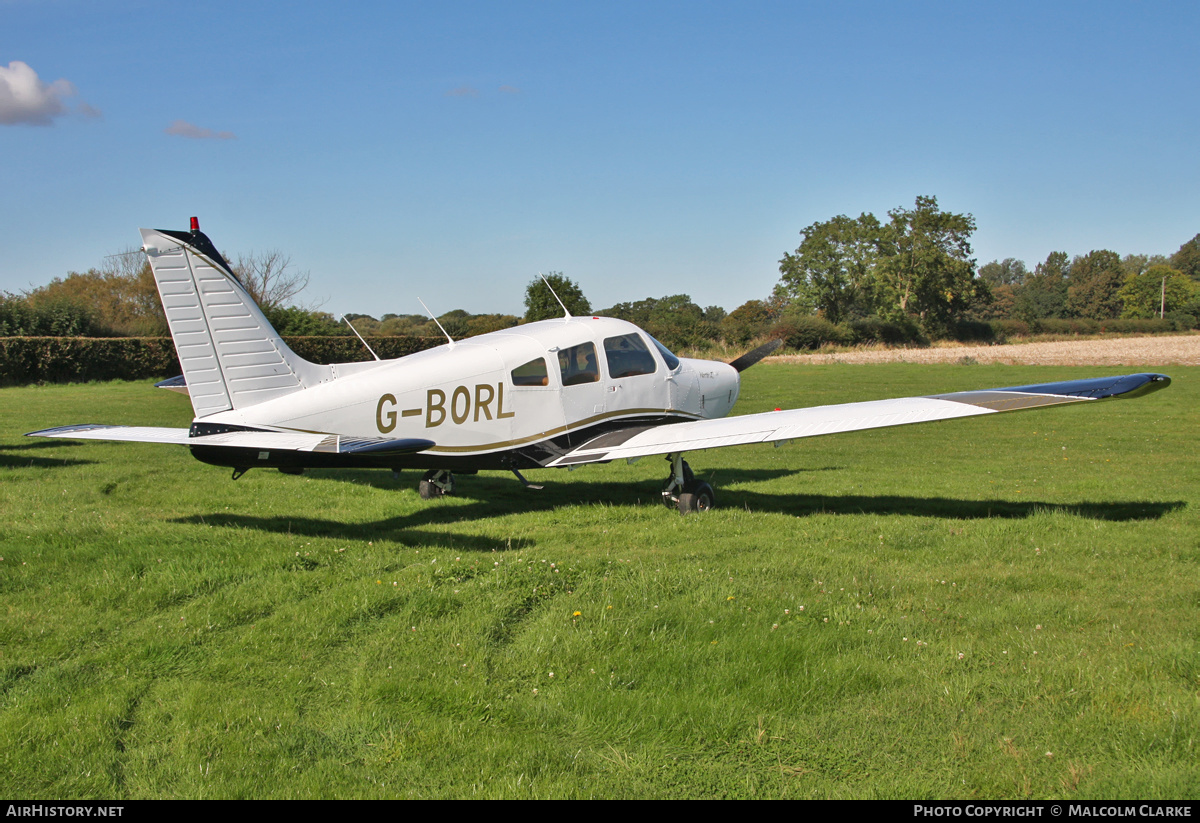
[671, 360]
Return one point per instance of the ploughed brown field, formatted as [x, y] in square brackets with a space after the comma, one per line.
[1163, 350]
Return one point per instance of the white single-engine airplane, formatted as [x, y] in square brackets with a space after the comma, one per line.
[551, 394]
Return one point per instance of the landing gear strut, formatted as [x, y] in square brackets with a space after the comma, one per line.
[436, 483]
[683, 491]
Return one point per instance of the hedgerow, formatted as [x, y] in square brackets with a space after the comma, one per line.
[26, 360]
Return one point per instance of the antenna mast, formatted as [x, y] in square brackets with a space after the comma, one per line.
[566, 313]
[359, 336]
[435, 320]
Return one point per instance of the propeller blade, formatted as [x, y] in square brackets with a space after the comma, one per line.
[751, 357]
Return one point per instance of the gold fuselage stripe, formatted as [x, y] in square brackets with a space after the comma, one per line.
[503, 444]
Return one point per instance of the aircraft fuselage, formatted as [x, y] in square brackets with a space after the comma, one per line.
[514, 398]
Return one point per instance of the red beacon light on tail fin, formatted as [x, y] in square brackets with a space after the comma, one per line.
[195, 224]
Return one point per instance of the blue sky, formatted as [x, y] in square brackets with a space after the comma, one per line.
[453, 150]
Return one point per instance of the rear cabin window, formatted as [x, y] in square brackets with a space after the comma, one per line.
[533, 373]
[578, 364]
[628, 355]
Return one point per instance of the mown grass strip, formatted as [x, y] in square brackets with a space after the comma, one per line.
[999, 607]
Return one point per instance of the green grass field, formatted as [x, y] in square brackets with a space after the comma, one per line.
[985, 608]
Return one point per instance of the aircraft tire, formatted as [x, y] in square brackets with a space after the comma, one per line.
[698, 498]
[430, 490]
[689, 480]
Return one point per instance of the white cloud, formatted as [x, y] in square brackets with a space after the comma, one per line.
[182, 128]
[25, 99]
[463, 91]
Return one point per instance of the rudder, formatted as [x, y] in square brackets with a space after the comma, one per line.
[231, 355]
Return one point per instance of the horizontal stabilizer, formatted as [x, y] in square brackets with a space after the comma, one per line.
[175, 384]
[133, 434]
[242, 439]
[773, 427]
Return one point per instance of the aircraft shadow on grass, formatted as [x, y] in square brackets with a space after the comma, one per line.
[18, 460]
[804, 505]
[490, 497]
[397, 529]
[495, 486]
[502, 496]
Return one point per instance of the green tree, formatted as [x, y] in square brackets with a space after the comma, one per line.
[1138, 263]
[1187, 259]
[679, 322]
[484, 323]
[1094, 285]
[1142, 294]
[1009, 272]
[51, 317]
[541, 305]
[926, 268]
[294, 321]
[999, 304]
[750, 320]
[415, 325]
[457, 324]
[833, 269]
[638, 312]
[1044, 293]
[676, 319]
[120, 297]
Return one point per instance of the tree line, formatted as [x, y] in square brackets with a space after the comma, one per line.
[902, 280]
[916, 268]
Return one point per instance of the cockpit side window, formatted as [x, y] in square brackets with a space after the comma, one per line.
[578, 364]
[533, 373]
[671, 360]
[628, 355]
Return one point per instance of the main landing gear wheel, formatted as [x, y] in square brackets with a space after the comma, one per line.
[668, 494]
[697, 498]
[436, 483]
[683, 491]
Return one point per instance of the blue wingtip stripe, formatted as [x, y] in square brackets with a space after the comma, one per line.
[1100, 388]
[1013, 398]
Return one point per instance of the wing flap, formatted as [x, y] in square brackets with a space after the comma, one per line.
[794, 424]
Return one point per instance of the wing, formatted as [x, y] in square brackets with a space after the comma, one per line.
[781, 426]
[242, 439]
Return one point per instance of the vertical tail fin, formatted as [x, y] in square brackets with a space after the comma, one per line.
[231, 356]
